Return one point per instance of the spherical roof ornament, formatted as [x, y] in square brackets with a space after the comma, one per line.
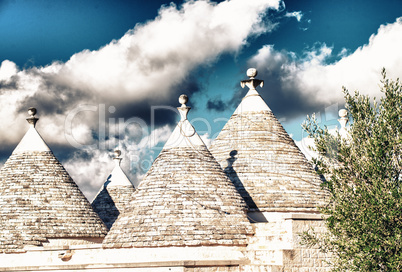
[183, 110]
[32, 119]
[183, 99]
[252, 82]
[343, 113]
[117, 159]
[31, 111]
[252, 72]
[117, 153]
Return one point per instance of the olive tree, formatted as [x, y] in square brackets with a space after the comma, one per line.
[363, 178]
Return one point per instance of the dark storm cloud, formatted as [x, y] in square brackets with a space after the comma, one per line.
[5, 151]
[146, 69]
[284, 101]
[66, 152]
[54, 98]
[216, 104]
[10, 84]
[156, 110]
[283, 91]
[304, 83]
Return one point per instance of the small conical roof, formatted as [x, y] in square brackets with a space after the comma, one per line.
[39, 200]
[185, 199]
[114, 195]
[262, 160]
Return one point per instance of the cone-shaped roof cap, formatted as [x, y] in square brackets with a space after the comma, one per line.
[114, 195]
[185, 199]
[39, 200]
[263, 161]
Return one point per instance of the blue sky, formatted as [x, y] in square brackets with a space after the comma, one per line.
[107, 73]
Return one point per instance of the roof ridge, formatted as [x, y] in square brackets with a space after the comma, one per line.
[32, 141]
[114, 194]
[184, 134]
[252, 102]
[117, 177]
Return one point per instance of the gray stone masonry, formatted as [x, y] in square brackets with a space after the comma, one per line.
[185, 199]
[276, 247]
[111, 201]
[266, 166]
[39, 200]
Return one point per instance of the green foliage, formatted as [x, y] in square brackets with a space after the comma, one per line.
[364, 179]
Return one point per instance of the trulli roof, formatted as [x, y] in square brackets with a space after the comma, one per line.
[39, 200]
[114, 195]
[262, 160]
[185, 199]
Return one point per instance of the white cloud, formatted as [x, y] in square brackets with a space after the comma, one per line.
[91, 166]
[206, 138]
[321, 83]
[7, 70]
[296, 14]
[143, 66]
[159, 54]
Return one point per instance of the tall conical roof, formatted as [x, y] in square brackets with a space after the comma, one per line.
[262, 160]
[39, 200]
[114, 195]
[185, 199]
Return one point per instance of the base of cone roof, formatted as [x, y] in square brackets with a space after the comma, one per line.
[185, 199]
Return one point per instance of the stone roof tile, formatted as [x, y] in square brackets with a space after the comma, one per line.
[185, 199]
[39, 200]
[114, 195]
[262, 160]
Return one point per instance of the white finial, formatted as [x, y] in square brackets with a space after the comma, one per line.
[343, 113]
[252, 72]
[183, 110]
[31, 111]
[117, 159]
[343, 120]
[183, 99]
[32, 119]
[252, 83]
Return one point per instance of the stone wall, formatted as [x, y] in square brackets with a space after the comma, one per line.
[303, 258]
[214, 269]
[95, 258]
[276, 247]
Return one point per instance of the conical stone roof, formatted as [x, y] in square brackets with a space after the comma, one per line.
[185, 199]
[114, 195]
[39, 200]
[263, 162]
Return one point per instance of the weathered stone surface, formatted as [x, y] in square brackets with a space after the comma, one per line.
[95, 258]
[114, 195]
[213, 269]
[185, 199]
[39, 200]
[276, 247]
[111, 201]
[265, 165]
